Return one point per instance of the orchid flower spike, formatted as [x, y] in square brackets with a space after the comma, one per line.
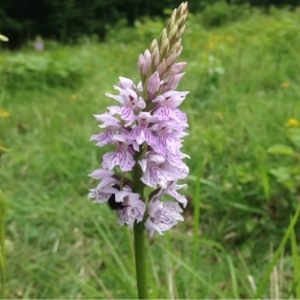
[145, 128]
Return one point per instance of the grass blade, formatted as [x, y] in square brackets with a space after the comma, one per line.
[3, 208]
[234, 282]
[296, 263]
[122, 274]
[190, 270]
[264, 281]
[196, 225]
[247, 281]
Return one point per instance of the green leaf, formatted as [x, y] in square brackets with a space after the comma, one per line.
[285, 177]
[251, 224]
[281, 173]
[294, 136]
[281, 150]
[245, 207]
[234, 281]
[296, 263]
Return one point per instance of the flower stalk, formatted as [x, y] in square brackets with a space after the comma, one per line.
[140, 261]
[139, 240]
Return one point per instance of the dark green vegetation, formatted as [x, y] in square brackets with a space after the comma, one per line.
[244, 183]
[70, 20]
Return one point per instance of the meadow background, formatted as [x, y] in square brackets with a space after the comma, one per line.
[240, 238]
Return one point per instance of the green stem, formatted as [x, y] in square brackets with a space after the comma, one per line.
[139, 240]
[3, 208]
[140, 260]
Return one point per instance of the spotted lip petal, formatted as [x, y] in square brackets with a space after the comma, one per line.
[120, 157]
[163, 216]
[133, 211]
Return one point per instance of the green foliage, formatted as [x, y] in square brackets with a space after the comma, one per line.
[287, 171]
[288, 234]
[220, 13]
[144, 31]
[40, 69]
[69, 20]
[296, 262]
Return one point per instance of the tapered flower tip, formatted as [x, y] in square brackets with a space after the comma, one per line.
[126, 83]
[100, 174]
[177, 68]
[172, 83]
[153, 84]
[144, 63]
[107, 119]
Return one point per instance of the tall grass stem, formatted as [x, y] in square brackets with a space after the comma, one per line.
[296, 263]
[263, 283]
[196, 225]
[3, 208]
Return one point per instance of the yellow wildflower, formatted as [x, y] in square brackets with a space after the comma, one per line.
[4, 113]
[210, 45]
[285, 84]
[219, 114]
[74, 97]
[230, 39]
[292, 122]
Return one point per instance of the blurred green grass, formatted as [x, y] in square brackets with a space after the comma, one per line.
[243, 80]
